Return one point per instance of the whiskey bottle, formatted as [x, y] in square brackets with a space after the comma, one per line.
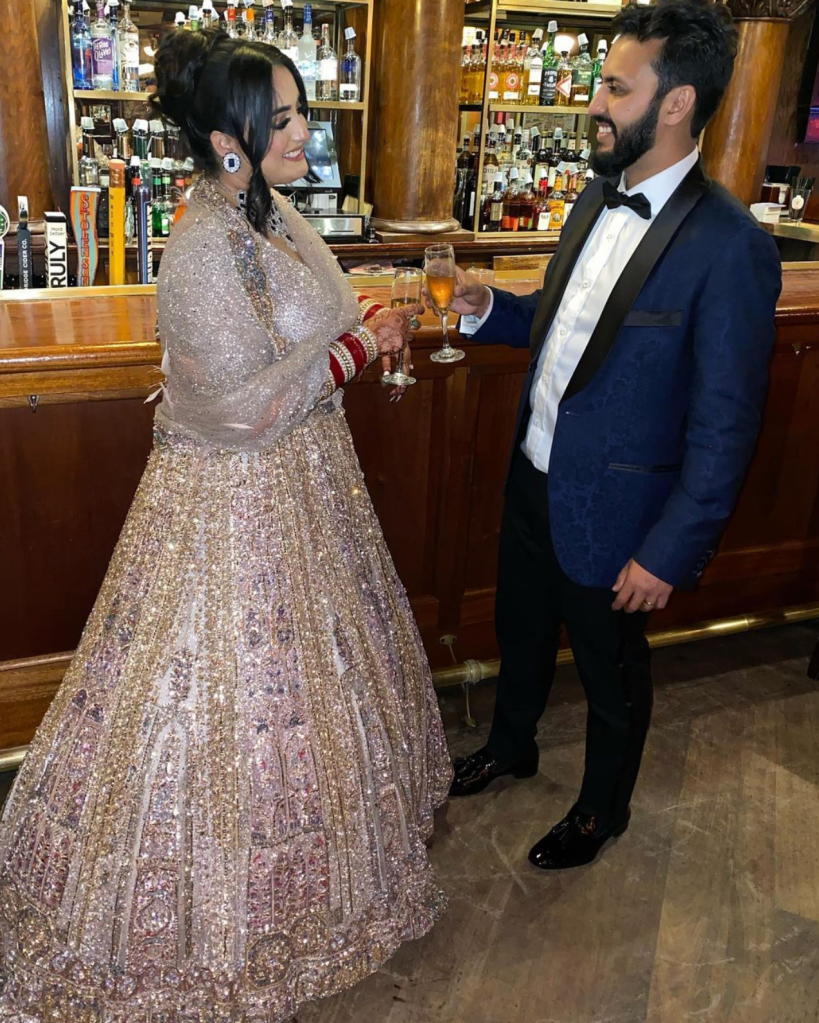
[496, 205]
[548, 84]
[327, 84]
[511, 207]
[571, 198]
[533, 70]
[512, 73]
[582, 73]
[563, 89]
[526, 205]
[557, 205]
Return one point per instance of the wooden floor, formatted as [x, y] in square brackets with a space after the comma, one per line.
[707, 910]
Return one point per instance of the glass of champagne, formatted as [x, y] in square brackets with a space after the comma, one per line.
[439, 265]
[406, 290]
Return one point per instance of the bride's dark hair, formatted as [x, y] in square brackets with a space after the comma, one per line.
[208, 82]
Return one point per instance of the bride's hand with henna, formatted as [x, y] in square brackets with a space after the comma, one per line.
[392, 332]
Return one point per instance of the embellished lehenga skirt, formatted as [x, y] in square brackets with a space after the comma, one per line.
[223, 813]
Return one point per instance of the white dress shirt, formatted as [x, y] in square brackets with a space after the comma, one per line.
[609, 247]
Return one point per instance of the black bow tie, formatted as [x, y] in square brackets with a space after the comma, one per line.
[613, 198]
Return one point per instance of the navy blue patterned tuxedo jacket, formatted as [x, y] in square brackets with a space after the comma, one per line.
[659, 422]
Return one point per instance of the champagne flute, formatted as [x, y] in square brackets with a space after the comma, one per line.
[439, 264]
[406, 290]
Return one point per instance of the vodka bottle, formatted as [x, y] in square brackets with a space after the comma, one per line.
[350, 80]
[128, 52]
[112, 11]
[289, 41]
[327, 85]
[102, 54]
[308, 60]
[81, 49]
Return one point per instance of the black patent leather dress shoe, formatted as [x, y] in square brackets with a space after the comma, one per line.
[575, 841]
[475, 772]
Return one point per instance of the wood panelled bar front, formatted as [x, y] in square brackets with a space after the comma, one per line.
[75, 435]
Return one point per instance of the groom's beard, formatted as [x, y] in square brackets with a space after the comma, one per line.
[630, 143]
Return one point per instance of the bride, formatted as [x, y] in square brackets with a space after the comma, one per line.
[224, 811]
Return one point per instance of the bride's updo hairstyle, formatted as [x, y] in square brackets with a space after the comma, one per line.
[208, 82]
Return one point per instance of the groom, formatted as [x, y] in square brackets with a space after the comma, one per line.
[650, 343]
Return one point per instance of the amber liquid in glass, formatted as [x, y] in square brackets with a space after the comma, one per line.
[441, 290]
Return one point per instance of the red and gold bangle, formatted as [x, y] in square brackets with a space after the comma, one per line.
[351, 353]
[368, 307]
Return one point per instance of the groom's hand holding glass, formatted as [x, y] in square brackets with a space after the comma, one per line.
[469, 298]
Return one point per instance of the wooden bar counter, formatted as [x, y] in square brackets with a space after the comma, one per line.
[75, 433]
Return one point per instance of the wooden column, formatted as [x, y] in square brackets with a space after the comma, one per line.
[417, 114]
[735, 148]
[24, 158]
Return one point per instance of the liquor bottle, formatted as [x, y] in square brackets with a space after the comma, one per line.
[102, 56]
[527, 200]
[597, 68]
[82, 49]
[128, 52]
[571, 198]
[555, 158]
[178, 197]
[230, 19]
[327, 85]
[88, 167]
[207, 15]
[308, 64]
[541, 212]
[582, 73]
[349, 88]
[496, 205]
[533, 70]
[563, 89]
[470, 193]
[548, 84]
[493, 85]
[557, 205]
[483, 215]
[542, 157]
[523, 156]
[512, 73]
[491, 166]
[250, 19]
[511, 207]
[477, 78]
[571, 150]
[112, 11]
[289, 41]
[193, 18]
[466, 65]
[180, 21]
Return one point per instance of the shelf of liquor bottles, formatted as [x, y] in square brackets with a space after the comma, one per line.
[528, 75]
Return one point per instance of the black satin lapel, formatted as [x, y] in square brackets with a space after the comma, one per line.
[628, 287]
[577, 230]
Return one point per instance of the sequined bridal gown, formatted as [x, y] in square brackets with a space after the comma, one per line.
[223, 812]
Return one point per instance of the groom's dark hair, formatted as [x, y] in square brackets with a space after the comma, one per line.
[699, 47]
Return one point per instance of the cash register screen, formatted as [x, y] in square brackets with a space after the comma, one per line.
[321, 155]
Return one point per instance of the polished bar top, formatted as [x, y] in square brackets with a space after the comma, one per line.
[115, 327]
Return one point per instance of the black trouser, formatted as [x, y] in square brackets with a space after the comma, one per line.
[534, 597]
